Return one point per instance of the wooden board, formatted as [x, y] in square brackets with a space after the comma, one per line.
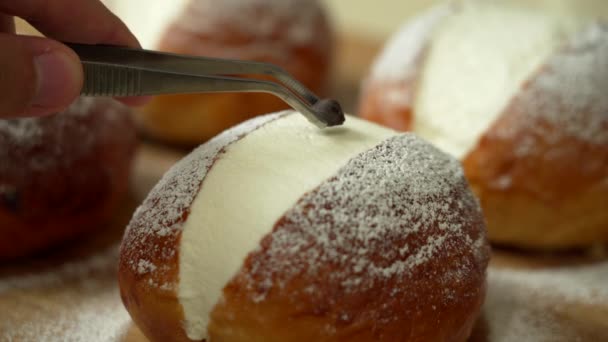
[71, 293]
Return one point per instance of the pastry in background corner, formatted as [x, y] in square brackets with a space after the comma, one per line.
[293, 34]
[520, 96]
[63, 175]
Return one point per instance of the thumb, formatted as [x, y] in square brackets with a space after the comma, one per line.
[38, 76]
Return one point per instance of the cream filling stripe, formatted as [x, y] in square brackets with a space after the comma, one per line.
[479, 59]
[246, 191]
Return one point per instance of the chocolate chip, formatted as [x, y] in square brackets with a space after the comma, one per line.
[9, 198]
[331, 111]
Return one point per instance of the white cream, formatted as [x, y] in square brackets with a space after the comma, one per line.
[147, 19]
[246, 191]
[478, 60]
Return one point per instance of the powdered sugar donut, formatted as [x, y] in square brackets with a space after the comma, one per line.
[277, 231]
[518, 95]
[293, 34]
[62, 175]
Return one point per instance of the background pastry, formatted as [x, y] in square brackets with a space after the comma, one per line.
[293, 34]
[519, 96]
[62, 175]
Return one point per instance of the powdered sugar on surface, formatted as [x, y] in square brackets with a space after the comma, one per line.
[163, 212]
[69, 271]
[83, 304]
[78, 301]
[538, 305]
[400, 60]
[583, 284]
[570, 92]
[388, 211]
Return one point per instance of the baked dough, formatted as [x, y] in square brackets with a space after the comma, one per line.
[518, 95]
[278, 231]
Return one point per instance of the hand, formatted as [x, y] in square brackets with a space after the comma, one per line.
[40, 76]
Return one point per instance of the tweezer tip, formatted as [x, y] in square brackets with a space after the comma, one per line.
[330, 112]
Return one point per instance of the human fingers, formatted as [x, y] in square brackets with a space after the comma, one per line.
[80, 21]
[38, 76]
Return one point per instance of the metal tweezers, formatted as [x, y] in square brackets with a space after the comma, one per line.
[122, 72]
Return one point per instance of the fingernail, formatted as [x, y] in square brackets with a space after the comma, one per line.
[57, 79]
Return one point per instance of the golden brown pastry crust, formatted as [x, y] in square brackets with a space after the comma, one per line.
[151, 298]
[541, 171]
[62, 175]
[410, 307]
[323, 276]
[432, 289]
[192, 119]
[552, 198]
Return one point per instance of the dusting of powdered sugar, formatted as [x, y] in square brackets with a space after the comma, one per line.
[368, 221]
[401, 57]
[145, 266]
[582, 284]
[99, 318]
[71, 270]
[163, 212]
[31, 131]
[64, 137]
[530, 304]
[292, 20]
[77, 301]
[570, 92]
